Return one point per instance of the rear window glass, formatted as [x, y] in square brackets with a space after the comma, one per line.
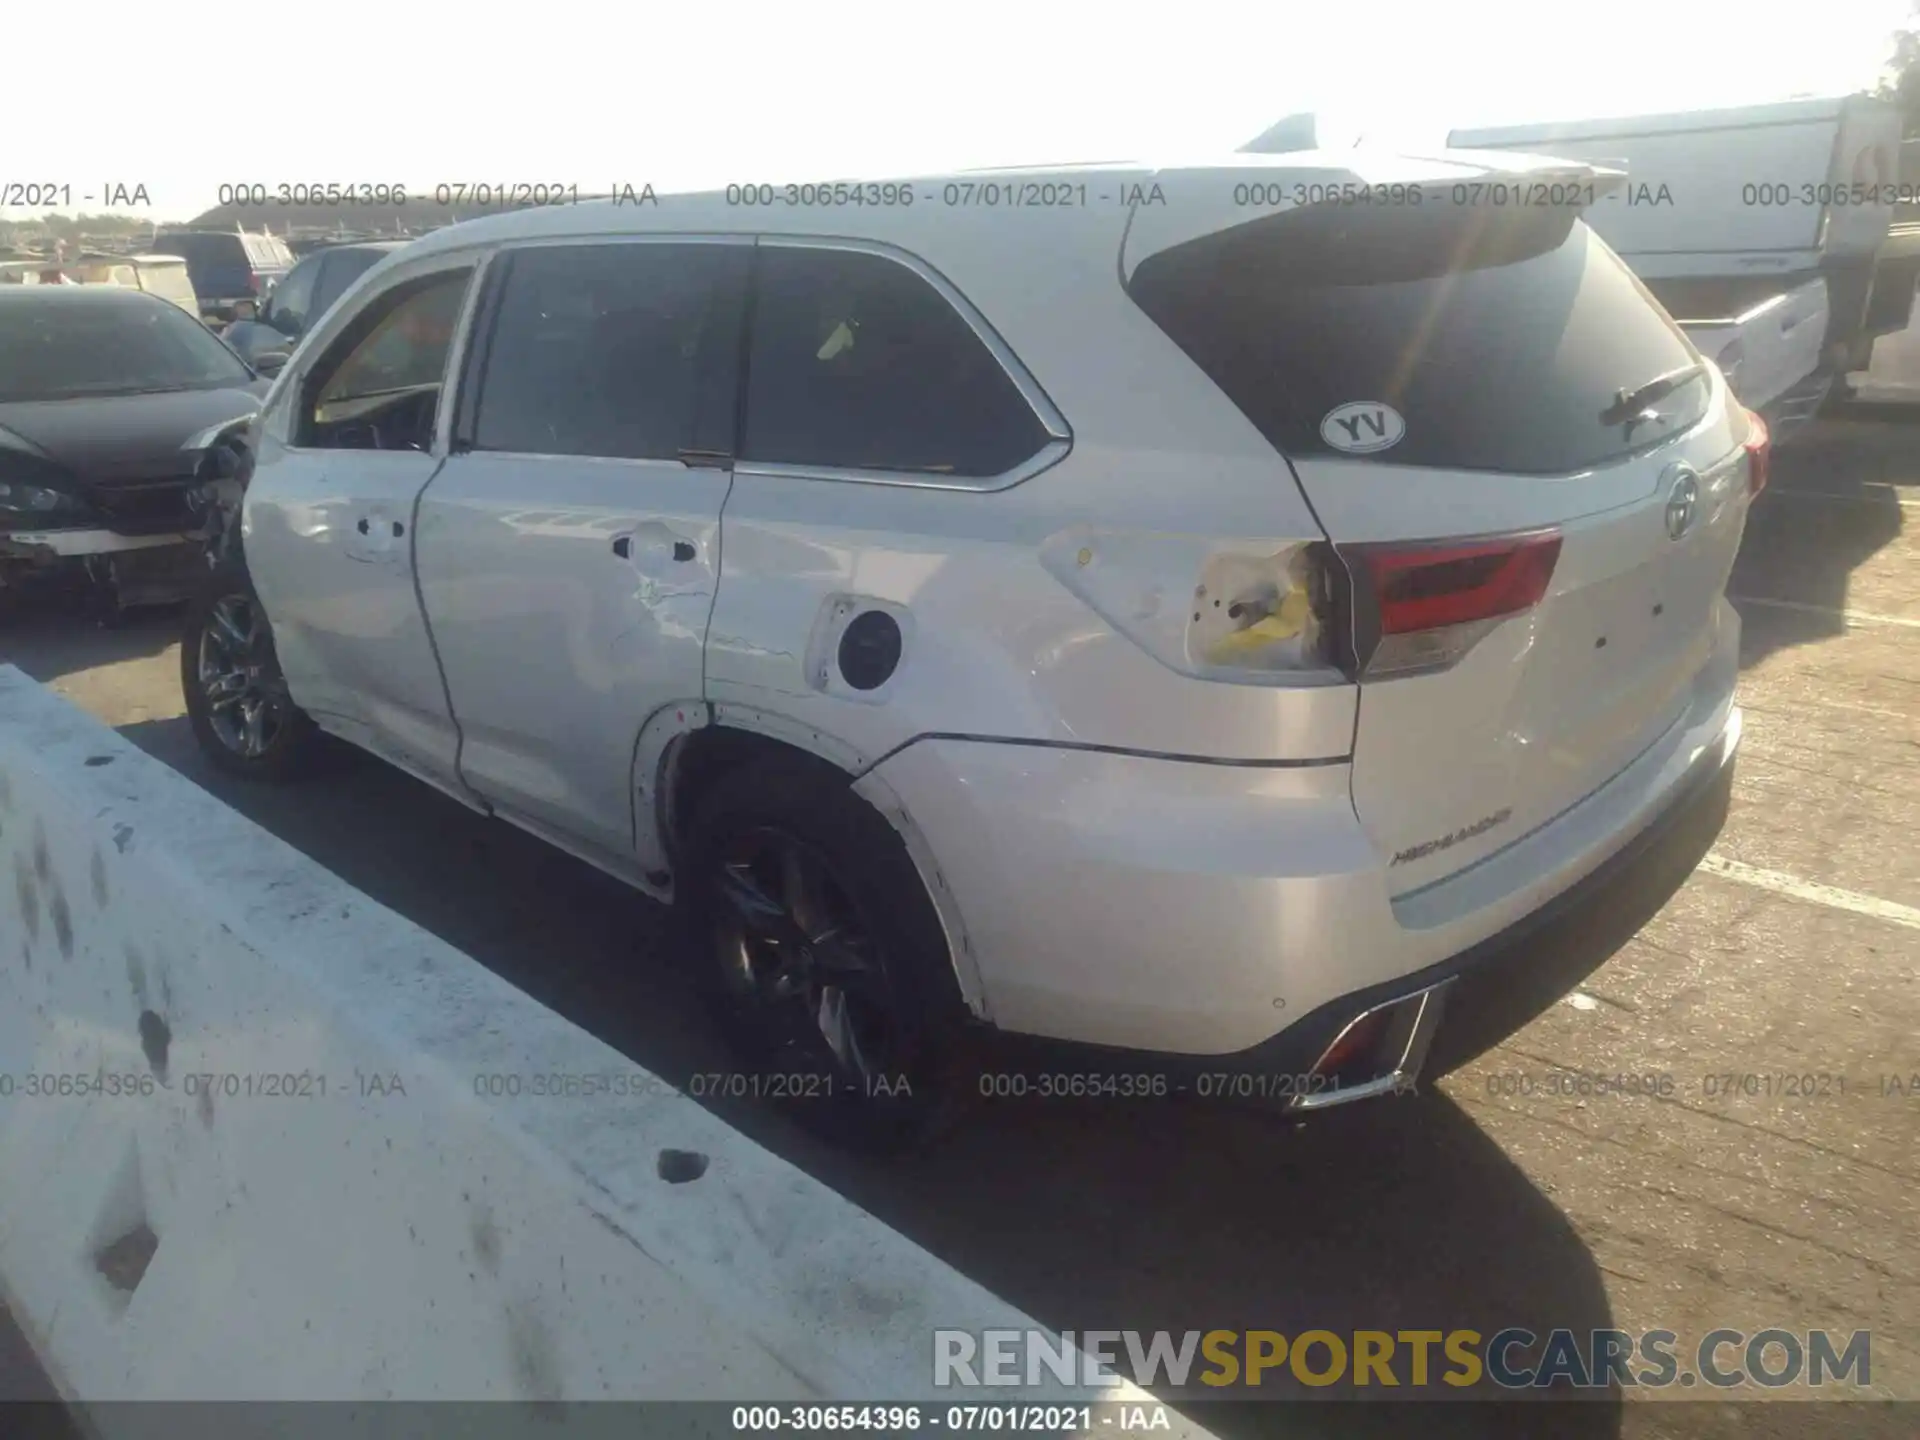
[1503, 338]
[339, 270]
[213, 249]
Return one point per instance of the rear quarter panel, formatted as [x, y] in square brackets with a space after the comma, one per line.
[995, 646]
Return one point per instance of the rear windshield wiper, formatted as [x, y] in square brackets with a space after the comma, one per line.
[1627, 404]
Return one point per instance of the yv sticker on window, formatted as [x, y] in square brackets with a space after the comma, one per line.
[1361, 427]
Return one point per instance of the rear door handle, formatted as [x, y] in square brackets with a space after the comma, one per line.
[656, 537]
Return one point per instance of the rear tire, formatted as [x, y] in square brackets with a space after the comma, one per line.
[843, 1004]
[242, 717]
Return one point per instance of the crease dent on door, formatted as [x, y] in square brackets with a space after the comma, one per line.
[569, 554]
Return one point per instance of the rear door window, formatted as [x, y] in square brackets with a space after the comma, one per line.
[1502, 337]
[859, 363]
[624, 350]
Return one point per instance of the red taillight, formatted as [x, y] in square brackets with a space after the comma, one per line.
[1432, 603]
[1759, 448]
[253, 283]
[1426, 587]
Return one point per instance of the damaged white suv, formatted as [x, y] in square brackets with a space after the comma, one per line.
[1204, 613]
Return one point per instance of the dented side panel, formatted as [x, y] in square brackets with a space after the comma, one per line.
[569, 600]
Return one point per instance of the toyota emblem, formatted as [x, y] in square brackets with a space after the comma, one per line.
[1683, 497]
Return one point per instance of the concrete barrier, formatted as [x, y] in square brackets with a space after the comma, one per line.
[242, 1155]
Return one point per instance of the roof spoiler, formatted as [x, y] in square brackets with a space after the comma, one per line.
[1203, 202]
[1532, 175]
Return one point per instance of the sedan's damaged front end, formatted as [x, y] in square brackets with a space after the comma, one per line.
[118, 413]
[119, 542]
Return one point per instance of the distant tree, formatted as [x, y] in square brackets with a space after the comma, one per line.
[1902, 82]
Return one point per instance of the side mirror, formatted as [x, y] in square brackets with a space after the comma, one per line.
[271, 363]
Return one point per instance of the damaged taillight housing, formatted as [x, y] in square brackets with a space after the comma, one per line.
[1304, 612]
[1243, 612]
[1421, 608]
[1273, 613]
[1759, 451]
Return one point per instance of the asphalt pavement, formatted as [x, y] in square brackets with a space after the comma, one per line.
[1513, 1193]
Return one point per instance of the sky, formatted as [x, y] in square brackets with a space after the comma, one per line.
[711, 92]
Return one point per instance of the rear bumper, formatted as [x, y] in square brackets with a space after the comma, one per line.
[1433, 1020]
[1216, 913]
[1487, 992]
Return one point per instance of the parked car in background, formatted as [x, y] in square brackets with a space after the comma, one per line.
[162, 275]
[114, 409]
[307, 292]
[827, 575]
[1768, 231]
[232, 270]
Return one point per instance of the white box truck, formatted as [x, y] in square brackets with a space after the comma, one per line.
[1767, 231]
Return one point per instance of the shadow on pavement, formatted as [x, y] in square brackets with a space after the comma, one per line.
[1805, 551]
[1093, 1214]
[47, 640]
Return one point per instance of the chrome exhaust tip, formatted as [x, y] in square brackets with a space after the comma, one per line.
[1379, 1052]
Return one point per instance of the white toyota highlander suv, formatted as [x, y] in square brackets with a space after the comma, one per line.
[1198, 614]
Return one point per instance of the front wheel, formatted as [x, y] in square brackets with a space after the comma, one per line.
[821, 955]
[237, 701]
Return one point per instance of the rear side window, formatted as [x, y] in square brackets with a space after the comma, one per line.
[266, 253]
[626, 351]
[292, 303]
[1502, 337]
[168, 281]
[210, 249]
[859, 363]
[338, 270]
